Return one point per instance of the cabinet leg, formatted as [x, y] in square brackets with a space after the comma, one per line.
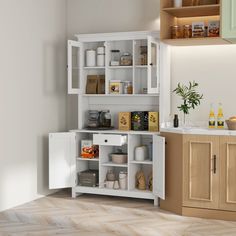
[75, 194]
[156, 201]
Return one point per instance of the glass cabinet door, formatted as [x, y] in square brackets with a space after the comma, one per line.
[74, 67]
[153, 65]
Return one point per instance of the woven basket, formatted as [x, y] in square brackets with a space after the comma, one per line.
[231, 124]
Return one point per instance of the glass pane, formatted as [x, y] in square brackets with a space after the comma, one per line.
[75, 67]
[154, 65]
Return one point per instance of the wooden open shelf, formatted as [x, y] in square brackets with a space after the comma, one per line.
[187, 14]
[196, 41]
[194, 11]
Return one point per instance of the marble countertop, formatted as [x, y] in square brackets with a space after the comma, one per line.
[199, 130]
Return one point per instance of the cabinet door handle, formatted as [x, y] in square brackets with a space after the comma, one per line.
[151, 64]
[214, 164]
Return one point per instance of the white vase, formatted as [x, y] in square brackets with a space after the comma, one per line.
[177, 3]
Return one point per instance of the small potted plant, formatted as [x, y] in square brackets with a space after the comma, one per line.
[190, 97]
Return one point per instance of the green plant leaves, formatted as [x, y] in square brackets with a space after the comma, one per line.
[191, 98]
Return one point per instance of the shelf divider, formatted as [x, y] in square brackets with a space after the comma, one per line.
[194, 11]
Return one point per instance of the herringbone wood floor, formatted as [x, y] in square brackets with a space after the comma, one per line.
[90, 215]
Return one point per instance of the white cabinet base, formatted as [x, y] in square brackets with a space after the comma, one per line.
[113, 192]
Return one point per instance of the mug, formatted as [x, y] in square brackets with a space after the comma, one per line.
[109, 184]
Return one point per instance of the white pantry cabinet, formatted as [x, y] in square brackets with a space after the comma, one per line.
[150, 92]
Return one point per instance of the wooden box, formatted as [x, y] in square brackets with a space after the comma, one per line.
[153, 121]
[124, 120]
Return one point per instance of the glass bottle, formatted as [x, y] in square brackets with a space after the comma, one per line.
[212, 121]
[220, 117]
[176, 121]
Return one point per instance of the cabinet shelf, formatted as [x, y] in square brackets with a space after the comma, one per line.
[114, 164]
[120, 67]
[142, 162]
[194, 11]
[121, 95]
[87, 159]
[195, 41]
[141, 66]
[94, 67]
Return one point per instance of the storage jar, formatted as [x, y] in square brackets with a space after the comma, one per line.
[90, 58]
[126, 59]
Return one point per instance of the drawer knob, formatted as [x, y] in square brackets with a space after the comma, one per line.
[105, 140]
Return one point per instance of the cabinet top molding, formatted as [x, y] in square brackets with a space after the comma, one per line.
[133, 35]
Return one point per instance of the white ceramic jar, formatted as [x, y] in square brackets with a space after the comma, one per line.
[141, 153]
[123, 180]
[90, 58]
[101, 56]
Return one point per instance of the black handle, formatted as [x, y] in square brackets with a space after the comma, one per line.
[151, 64]
[214, 164]
[105, 140]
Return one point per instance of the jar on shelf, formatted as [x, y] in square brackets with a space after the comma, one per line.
[115, 57]
[126, 59]
[101, 56]
[176, 32]
[105, 118]
[93, 118]
[128, 87]
[187, 31]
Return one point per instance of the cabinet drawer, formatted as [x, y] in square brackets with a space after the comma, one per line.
[109, 139]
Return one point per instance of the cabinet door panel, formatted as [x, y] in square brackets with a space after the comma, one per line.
[62, 160]
[153, 65]
[200, 173]
[74, 67]
[228, 173]
[229, 19]
[159, 166]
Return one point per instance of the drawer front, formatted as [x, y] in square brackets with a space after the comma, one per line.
[109, 139]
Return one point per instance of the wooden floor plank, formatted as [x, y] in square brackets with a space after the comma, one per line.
[90, 215]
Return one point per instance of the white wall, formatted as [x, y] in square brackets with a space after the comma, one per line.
[214, 68]
[94, 16]
[102, 16]
[32, 94]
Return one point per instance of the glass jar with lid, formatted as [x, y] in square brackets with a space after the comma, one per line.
[115, 57]
[128, 87]
[126, 59]
[93, 118]
[105, 118]
[187, 31]
[176, 32]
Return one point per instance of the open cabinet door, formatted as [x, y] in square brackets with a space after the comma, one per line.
[74, 67]
[153, 65]
[159, 166]
[62, 160]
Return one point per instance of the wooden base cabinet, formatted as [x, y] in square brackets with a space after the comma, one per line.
[228, 173]
[201, 175]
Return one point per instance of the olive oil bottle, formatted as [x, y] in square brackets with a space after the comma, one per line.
[212, 120]
[220, 117]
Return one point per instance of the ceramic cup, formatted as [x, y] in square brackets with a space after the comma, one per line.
[109, 184]
[177, 3]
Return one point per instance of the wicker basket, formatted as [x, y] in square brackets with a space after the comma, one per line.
[231, 124]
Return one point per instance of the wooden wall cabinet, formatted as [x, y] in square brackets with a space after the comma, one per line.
[201, 176]
[229, 20]
[223, 11]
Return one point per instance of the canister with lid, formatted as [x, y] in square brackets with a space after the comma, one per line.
[101, 56]
[128, 87]
[90, 58]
